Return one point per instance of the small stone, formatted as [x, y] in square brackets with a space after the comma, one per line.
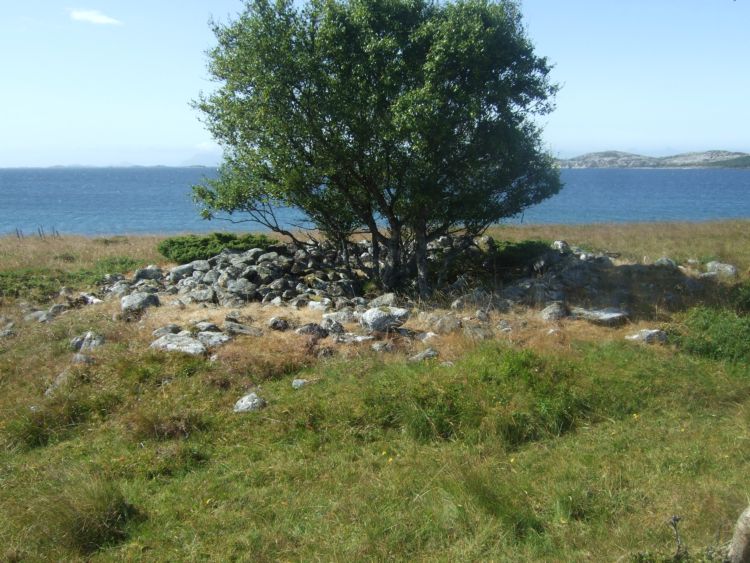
[171, 328]
[278, 323]
[666, 262]
[425, 336]
[312, 329]
[333, 327]
[482, 316]
[351, 338]
[250, 402]
[649, 336]
[561, 246]
[721, 269]
[148, 273]
[447, 324]
[206, 326]
[238, 328]
[382, 346]
[299, 383]
[213, 339]
[427, 354]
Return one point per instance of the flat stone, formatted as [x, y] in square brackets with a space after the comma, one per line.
[427, 354]
[179, 343]
[213, 339]
[721, 269]
[171, 328]
[299, 383]
[234, 328]
[649, 336]
[313, 329]
[206, 326]
[382, 347]
[478, 332]
[148, 273]
[351, 338]
[385, 300]
[603, 317]
[250, 402]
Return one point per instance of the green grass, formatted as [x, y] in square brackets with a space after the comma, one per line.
[43, 283]
[509, 454]
[184, 249]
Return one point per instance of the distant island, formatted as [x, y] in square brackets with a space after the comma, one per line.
[618, 159]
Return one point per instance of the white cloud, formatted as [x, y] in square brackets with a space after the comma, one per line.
[93, 16]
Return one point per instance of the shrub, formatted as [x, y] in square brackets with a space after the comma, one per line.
[718, 334]
[185, 249]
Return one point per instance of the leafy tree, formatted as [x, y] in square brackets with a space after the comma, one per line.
[404, 119]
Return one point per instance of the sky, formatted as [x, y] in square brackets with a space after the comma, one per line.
[106, 82]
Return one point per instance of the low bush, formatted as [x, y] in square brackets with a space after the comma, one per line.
[719, 334]
[185, 249]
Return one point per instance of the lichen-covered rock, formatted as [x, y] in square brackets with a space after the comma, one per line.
[554, 312]
[478, 332]
[383, 319]
[179, 343]
[150, 272]
[278, 323]
[739, 549]
[250, 402]
[603, 317]
[312, 329]
[233, 328]
[86, 342]
[171, 328]
[332, 326]
[213, 339]
[385, 300]
[721, 269]
[138, 302]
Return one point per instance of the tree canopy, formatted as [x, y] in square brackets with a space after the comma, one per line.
[404, 119]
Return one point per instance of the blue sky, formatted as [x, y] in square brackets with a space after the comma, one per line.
[110, 82]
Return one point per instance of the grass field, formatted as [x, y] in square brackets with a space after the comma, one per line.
[572, 446]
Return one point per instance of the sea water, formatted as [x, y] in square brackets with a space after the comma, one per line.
[97, 201]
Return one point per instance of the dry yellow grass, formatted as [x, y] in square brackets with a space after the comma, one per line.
[727, 241]
[70, 253]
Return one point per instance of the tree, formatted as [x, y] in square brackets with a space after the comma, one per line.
[404, 119]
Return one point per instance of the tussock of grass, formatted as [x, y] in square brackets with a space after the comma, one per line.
[152, 425]
[86, 513]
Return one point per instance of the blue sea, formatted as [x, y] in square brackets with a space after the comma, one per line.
[97, 201]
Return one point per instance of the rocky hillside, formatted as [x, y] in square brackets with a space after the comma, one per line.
[618, 159]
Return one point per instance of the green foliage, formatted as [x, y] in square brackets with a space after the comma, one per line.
[718, 334]
[42, 284]
[515, 257]
[740, 298]
[185, 249]
[448, 140]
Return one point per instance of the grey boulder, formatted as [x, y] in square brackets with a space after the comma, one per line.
[179, 343]
[138, 301]
[383, 319]
[250, 402]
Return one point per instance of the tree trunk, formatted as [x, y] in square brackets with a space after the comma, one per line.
[392, 274]
[423, 281]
